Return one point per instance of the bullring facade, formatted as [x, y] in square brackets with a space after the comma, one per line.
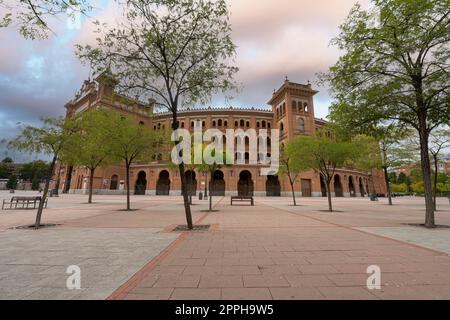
[292, 112]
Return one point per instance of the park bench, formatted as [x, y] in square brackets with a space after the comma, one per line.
[243, 199]
[22, 203]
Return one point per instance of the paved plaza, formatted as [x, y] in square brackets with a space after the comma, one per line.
[270, 251]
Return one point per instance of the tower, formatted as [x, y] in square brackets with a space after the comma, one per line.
[293, 109]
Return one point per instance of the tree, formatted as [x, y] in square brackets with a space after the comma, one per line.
[90, 145]
[132, 142]
[8, 160]
[291, 166]
[35, 171]
[439, 141]
[30, 16]
[5, 171]
[212, 166]
[395, 69]
[50, 139]
[177, 51]
[12, 182]
[322, 155]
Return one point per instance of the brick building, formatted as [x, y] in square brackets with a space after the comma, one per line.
[291, 111]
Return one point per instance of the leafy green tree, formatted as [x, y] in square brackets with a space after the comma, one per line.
[395, 69]
[291, 166]
[30, 16]
[177, 51]
[399, 188]
[322, 155]
[5, 171]
[90, 145]
[132, 142]
[210, 168]
[34, 171]
[439, 141]
[12, 182]
[393, 177]
[8, 160]
[51, 138]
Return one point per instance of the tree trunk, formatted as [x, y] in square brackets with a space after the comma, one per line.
[330, 204]
[128, 186]
[210, 202]
[58, 181]
[91, 184]
[44, 195]
[187, 207]
[425, 158]
[293, 192]
[388, 186]
[435, 181]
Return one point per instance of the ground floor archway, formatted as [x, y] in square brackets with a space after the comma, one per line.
[338, 191]
[141, 184]
[163, 184]
[351, 187]
[191, 182]
[245, 184]
[217, 184]
[361, 188]
[273, 186]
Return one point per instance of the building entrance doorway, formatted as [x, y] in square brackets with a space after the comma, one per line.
[245, 184]
[217, 184]
[163, 184]
[273, 187]
[141, 184]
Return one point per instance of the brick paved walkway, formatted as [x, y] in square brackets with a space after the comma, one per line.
[266, 253]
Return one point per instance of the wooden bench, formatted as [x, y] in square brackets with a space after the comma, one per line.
[243, 199]
[22, 203]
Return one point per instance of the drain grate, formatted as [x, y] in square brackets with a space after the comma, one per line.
[196, 228]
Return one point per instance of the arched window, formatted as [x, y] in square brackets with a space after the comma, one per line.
[236, 124]
[268, 125]
[219, 123]
[247, 124]
[305, 107]
[301, 124]
[203, 124]
[225, 123]
[192, 124]
[294, 105]
[281, 126]
[154, 127]
[141, 123]
[242, 123]
[257, 124]
[264, 124]
[159, 126]
[214, 123]
[182, 124]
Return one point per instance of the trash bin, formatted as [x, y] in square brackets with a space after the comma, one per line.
[200, 196]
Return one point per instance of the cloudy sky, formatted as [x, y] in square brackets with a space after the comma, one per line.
[275, 38]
